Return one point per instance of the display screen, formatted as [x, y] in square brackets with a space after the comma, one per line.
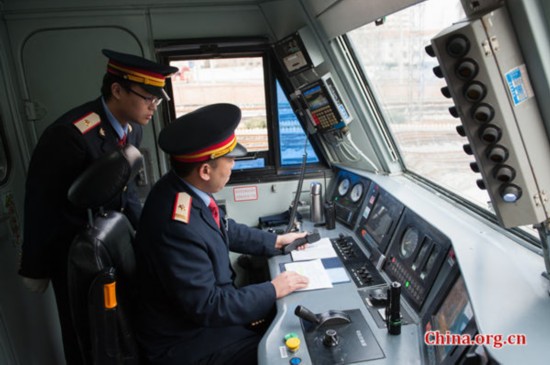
[315, 98]
[379, 223]
[453, 315]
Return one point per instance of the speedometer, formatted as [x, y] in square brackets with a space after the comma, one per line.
[356, 192]
[409, 241]
[343, 187]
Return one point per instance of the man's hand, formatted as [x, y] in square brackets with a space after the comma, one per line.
[287, 238]
[287, 282]
[36, 285]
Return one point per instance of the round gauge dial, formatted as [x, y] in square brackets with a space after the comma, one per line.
[409, 241]
[356, 192]
[343, 187]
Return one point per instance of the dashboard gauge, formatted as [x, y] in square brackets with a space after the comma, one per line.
[343, 187]
[356, 192]
[409, 241]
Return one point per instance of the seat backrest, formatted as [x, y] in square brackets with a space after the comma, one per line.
[101, 266]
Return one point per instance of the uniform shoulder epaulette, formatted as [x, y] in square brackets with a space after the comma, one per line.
[182, 208]
[87, 122]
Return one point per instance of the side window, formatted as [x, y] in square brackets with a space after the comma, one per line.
[238, 81]
[292, 138]
[269, 129]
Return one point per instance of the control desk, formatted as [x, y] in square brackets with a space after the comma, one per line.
[387, 265]
[381, 347]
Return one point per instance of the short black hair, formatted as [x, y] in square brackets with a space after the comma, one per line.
[184, 169]
[110, 79]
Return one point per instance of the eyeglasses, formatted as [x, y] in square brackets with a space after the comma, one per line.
[149, 100]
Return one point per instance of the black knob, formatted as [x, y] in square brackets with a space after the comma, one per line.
[474, 166]
[468, 149]
[483, 113]
[481, 184]
[453, 111]
[430, 50]
[437, 72]
[331, 338]
[446, 92]
[458, 46]
[460, 130]
[510, 193]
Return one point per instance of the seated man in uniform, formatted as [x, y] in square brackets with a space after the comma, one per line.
[131, 91]
[190, 311]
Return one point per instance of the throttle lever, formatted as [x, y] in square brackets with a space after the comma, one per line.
[329, 317]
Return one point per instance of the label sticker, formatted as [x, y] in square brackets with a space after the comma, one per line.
[519, 84]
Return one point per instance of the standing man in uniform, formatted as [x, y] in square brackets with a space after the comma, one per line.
[190, 311]
[131, 91]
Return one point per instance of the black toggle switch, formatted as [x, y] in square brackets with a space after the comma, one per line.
[481, 184]
[430, 50]
[331, 338]
[453, 111]
[437, 72]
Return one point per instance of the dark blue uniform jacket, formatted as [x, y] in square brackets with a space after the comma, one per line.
[187, 297]
[62, 153]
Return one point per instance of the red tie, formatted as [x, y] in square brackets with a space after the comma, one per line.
[122, 141]
[215, 212]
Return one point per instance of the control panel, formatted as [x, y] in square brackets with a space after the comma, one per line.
[415, 257]
[379, 220]
[361, 270]
[348, 195]
[324, 105]
[488, 81]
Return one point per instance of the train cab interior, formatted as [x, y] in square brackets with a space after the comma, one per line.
[412, 137]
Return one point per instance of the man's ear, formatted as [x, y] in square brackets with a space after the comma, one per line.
[116, 90]
[204, 171]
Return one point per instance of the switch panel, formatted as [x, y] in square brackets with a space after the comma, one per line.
[487, 79]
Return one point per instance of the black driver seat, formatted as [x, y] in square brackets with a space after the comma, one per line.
[102, 267]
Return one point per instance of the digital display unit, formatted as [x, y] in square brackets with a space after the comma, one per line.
[454, 315]
[379, 219]
[325, 105]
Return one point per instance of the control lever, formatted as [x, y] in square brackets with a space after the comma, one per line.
[393, 310]
[330, 317]
[309, 238]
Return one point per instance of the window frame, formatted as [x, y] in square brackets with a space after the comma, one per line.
[216, 48]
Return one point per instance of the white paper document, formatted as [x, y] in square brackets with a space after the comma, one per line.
[317, 250]
[314, 271]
